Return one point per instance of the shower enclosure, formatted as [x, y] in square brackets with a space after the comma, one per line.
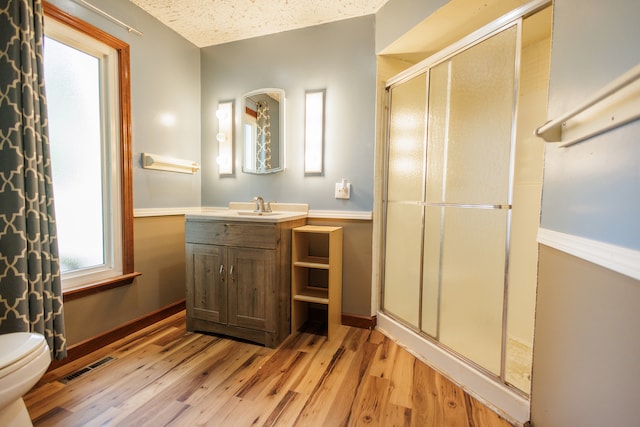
[462, 195]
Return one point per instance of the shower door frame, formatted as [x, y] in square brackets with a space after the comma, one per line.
[514, 401]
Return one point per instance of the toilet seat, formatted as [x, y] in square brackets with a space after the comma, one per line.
[19, 349]
[24, 358]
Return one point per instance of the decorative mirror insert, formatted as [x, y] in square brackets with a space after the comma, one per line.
[263, 129]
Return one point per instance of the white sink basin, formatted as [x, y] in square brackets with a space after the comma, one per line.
[253, 213]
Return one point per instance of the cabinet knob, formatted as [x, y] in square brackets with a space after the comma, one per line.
[222, 272]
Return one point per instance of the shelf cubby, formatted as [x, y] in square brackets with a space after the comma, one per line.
[316, 275]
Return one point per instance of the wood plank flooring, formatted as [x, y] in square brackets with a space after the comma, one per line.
[165, 376]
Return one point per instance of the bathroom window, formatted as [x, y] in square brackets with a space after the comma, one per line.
[89, 154]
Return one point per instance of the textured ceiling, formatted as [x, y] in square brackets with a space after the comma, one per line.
[210, 22]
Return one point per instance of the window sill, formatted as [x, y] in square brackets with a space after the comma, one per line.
[94, 288]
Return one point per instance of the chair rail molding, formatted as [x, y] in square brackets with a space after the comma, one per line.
[616, 258]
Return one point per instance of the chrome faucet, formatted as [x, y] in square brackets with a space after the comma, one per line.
[259, 204]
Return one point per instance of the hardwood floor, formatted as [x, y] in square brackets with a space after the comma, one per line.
[165, 376]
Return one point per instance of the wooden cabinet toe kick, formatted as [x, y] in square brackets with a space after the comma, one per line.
[268, 339]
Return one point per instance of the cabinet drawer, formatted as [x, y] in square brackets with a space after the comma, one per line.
[231, 233]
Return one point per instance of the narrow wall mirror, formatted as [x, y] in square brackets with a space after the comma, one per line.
[224, 115]
[263, 113]
[314, 132]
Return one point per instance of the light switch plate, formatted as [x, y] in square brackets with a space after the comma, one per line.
[343, 192]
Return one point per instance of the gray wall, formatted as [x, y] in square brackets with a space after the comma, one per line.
[165, 80]
[159, 253]
[592, 189]
[586, 345]
[338, 57]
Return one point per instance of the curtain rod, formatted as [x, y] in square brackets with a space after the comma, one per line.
[109, 17]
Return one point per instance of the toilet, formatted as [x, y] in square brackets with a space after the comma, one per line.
[24, 358]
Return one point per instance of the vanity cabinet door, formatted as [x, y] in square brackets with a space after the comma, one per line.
[251, 287]
[207, 276]
[238, 280]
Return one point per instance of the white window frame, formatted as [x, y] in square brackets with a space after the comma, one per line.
[110, 155]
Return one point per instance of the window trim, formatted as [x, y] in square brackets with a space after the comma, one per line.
[106, 65]
[126, 174]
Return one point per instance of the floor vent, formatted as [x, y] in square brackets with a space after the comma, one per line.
[80, 372]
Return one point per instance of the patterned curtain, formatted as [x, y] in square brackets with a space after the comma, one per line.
[30, 287]
[263, 153]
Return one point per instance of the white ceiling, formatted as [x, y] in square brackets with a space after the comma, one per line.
[211, 22]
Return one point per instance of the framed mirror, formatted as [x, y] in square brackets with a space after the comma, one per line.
[263, 113]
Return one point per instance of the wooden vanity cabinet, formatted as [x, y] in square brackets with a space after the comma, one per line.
[238, 278]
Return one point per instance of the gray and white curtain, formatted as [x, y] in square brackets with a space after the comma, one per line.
[263, 149]
[30, 287]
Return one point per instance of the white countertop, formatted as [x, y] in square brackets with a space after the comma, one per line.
[244, 211]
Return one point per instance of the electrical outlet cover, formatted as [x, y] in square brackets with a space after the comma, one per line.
[342, 192]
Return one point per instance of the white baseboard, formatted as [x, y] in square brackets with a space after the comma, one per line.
[146, 212]
[358, 215]
[315, 214]
[616, 258]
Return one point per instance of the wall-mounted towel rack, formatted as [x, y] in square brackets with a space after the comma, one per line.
[616, 104]
[163, 163]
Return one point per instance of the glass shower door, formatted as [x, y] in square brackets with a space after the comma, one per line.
[462, 204]
[468, 198]
[403, 240]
